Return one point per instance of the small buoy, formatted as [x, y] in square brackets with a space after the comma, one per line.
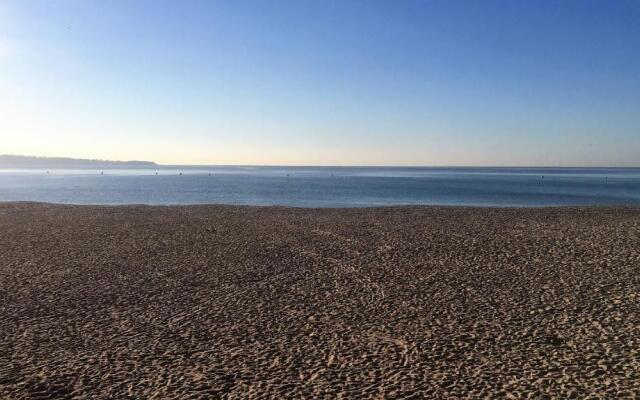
[180, 173]
[101, 172]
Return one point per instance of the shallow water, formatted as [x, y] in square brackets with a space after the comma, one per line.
[327, 186]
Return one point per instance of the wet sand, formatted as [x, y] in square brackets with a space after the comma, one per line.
[234, 302]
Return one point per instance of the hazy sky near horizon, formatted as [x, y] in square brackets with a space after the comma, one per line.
[323, 82]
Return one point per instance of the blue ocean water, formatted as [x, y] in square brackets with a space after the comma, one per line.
[327, 186]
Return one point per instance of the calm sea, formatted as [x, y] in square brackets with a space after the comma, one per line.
[327, 186]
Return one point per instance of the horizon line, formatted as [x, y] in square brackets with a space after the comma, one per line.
[157, 164]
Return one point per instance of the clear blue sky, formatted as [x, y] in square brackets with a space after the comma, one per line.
[323, 82]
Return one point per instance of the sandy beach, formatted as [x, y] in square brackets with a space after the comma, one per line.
[197, 302]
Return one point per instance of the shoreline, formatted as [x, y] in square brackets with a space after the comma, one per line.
[338, 208]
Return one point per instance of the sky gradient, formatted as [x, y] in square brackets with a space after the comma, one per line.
[512, 83]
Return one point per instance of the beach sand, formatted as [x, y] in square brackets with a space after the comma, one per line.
[234, 302]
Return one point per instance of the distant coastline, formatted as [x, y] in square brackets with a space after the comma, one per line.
[20, 161]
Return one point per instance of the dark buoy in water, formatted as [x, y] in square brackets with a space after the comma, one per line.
[47, 172]
[101, 172]
[156, 172]
[180, 173]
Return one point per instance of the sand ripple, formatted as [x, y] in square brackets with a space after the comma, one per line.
[239, 302]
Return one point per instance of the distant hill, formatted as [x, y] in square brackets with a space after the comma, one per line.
[15, 161]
